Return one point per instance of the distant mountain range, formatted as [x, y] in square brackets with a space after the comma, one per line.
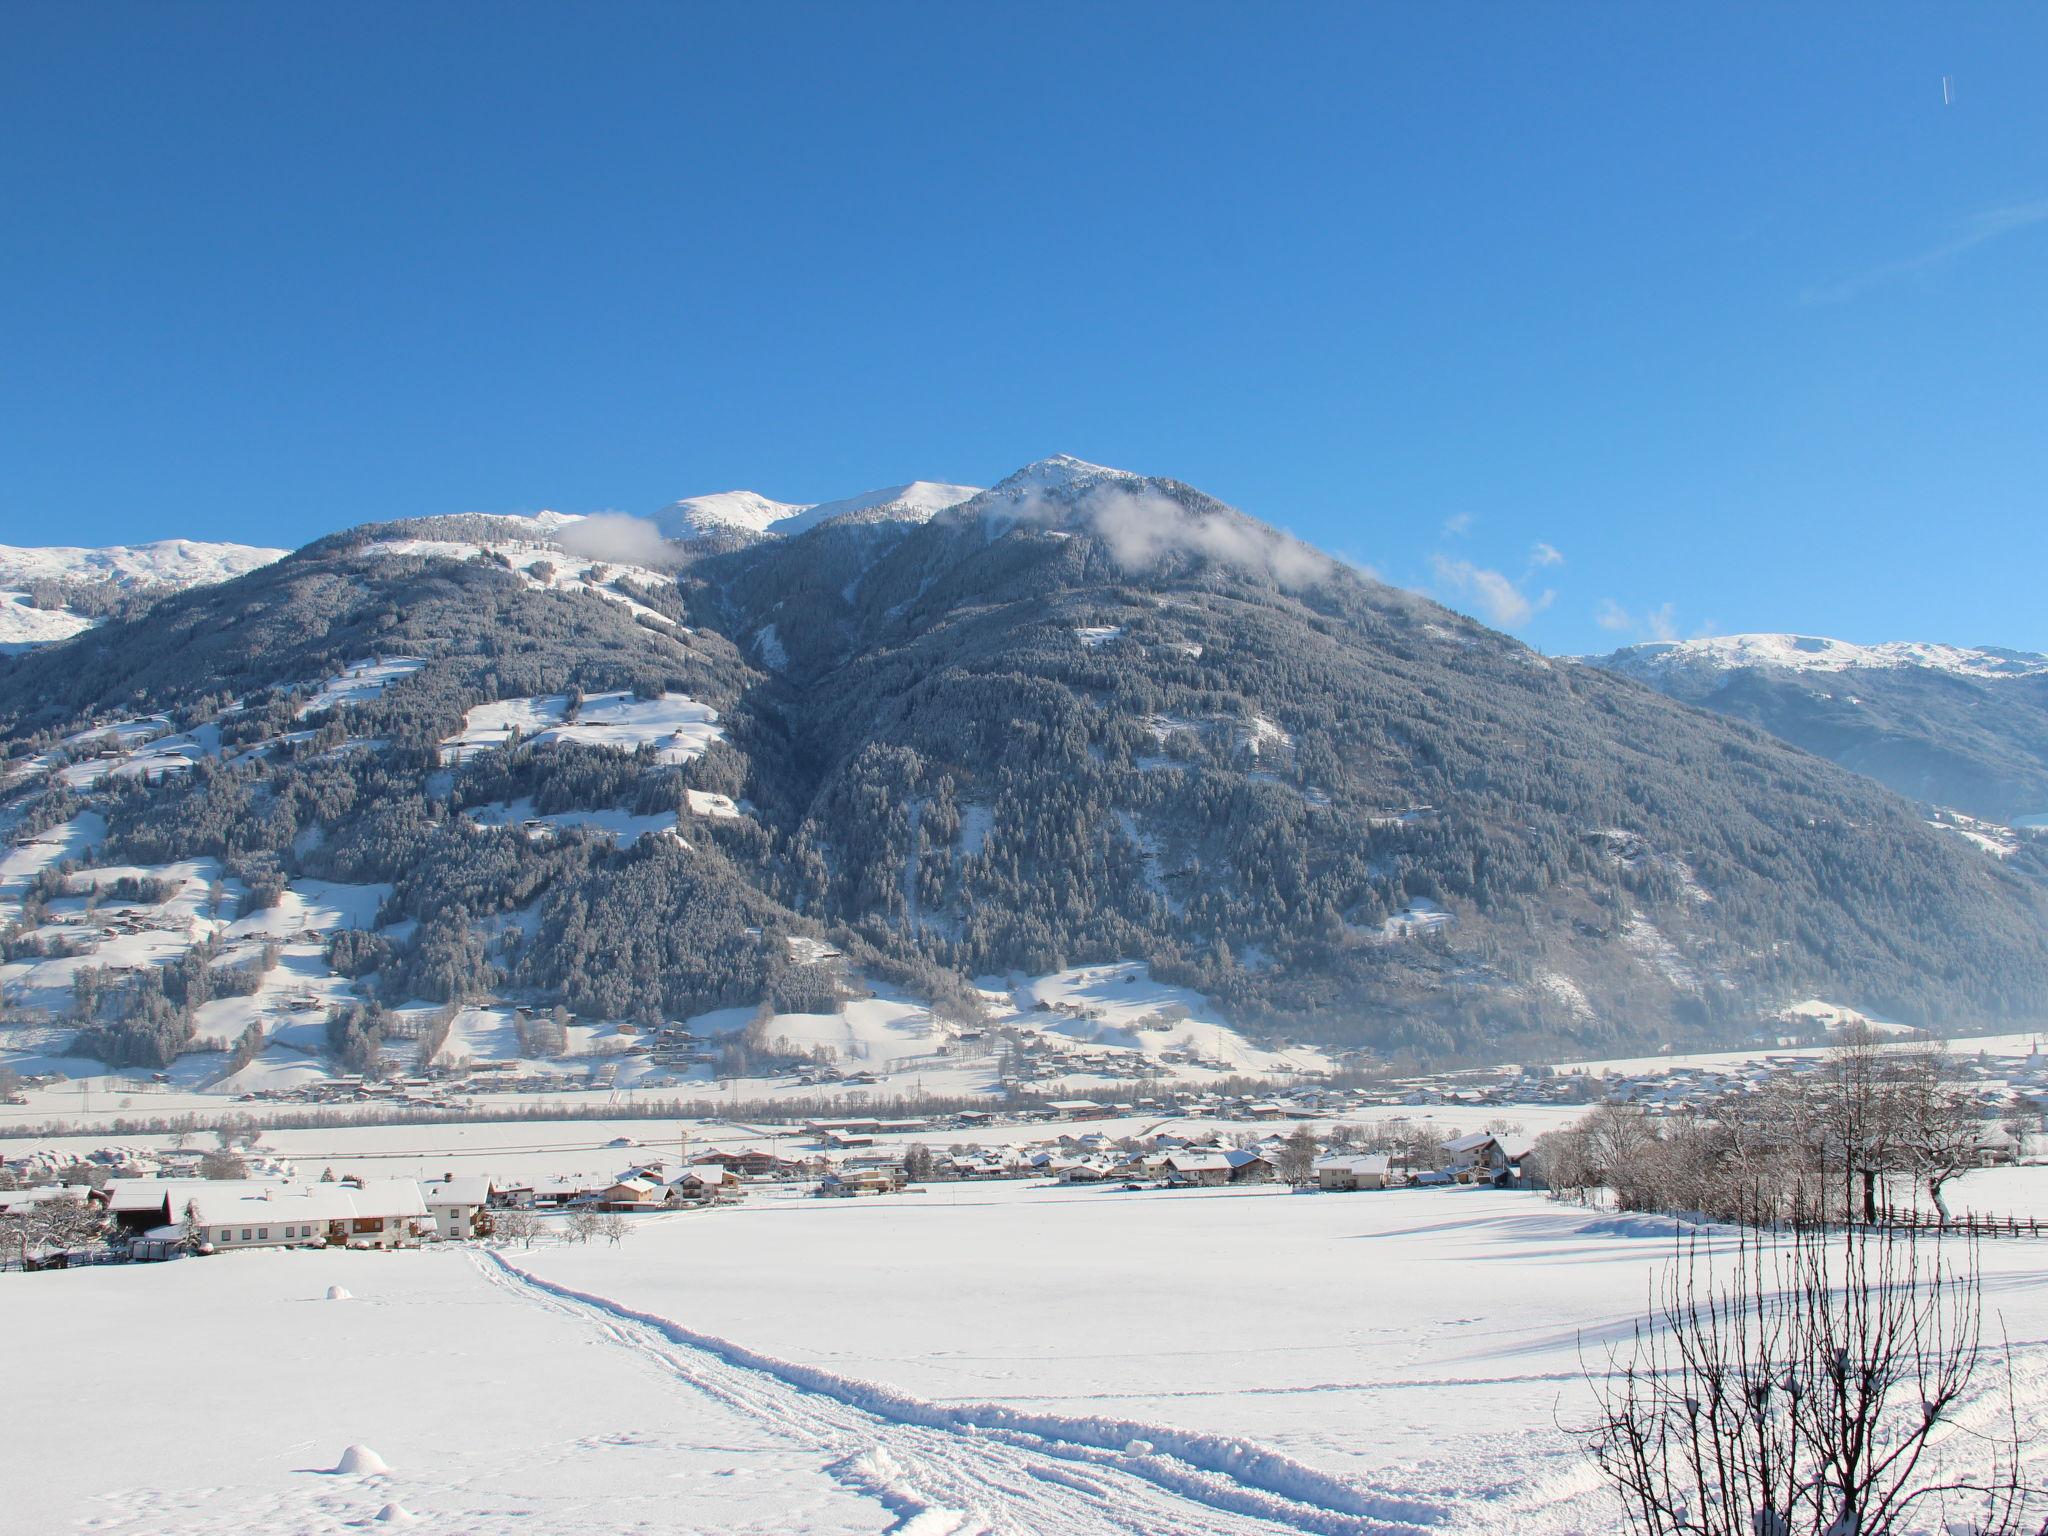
[1953, 726]
[940, 736]
[49, 594]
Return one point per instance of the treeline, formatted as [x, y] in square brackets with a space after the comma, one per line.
[1814, 1146]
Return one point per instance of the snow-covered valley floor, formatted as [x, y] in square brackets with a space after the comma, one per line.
[1017, 1358]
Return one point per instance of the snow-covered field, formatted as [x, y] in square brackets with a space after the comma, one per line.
[1020, 1358]
[676, 726]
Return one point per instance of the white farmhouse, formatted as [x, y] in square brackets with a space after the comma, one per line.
[457, 1206]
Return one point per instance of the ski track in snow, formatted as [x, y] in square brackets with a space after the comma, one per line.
[988, 1470]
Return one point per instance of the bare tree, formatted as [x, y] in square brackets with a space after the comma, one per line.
[1810, 1385]
[223, 1165]
[1296, 1159]
[1938, 1132]
[521, 1227]
[614, 1227]
[583, 1225]
[60, 1225]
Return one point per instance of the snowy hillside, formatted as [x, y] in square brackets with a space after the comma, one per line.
[29, 616]
[1961, 727]
[750, 514]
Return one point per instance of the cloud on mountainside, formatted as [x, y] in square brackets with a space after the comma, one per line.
[1143, 528]
[618, 536]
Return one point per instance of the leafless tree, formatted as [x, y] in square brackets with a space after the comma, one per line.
[223, 1165]
[583, 1225]
[1815, 1383]
[1296, 1159]
[57, 1225]
[614, 1227]
[521, 1227]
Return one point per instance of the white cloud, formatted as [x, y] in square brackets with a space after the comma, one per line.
[1499, 598]
[619, 537]
[1981, 227]
[1143, 528]
[1546, 554]
[1457, 525]
[1659, 623]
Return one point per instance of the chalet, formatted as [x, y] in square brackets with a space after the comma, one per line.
[457, 1206]
[752, 1163]
[1207, 1168]
[710, 1182]
[1082, 1109]
[861, 1181]
[1485, 1157]
[636, 1192]
[1354, 1170]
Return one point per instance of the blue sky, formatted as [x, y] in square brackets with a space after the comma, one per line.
[1600, 321]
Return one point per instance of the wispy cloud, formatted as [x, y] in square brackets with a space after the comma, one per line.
[1501, 599]
[1980, 228]
[1457, 525]
[1546, 554]
[1659, 623]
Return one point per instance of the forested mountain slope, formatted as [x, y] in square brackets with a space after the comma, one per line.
[1082, 716]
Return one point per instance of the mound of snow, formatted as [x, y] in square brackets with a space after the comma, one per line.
[340, 1293]
[360, 1461]
[397, 1514]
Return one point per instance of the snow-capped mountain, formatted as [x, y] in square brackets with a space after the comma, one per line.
[1962, 727]
[1083, 717]
[725, 515]
[1814, 653]
[49, 594]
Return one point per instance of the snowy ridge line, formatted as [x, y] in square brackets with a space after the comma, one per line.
[1215, 1470]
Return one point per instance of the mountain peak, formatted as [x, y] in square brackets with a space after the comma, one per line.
[1062, 473]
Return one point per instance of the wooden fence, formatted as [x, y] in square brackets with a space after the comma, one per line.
[1976, 1226]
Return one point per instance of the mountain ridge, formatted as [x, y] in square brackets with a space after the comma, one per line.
[1083, 717]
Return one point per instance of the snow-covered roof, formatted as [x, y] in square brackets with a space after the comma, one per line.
[466, 1191]
[219, 1202]
[1356, 1162]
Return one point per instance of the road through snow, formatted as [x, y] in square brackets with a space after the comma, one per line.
[987, 1470]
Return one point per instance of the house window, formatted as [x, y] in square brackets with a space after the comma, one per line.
[263, 1234]
[227, 1235]
[245, 1234]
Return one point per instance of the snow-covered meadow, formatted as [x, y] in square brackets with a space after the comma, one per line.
[1006, 1357]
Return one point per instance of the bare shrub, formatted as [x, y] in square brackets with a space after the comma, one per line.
[1812, 1384]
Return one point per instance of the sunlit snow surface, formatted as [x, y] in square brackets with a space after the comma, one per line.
[676, 726]
[1010, 1357]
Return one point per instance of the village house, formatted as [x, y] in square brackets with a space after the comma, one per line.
[861, 1181]
[635, 1192]
[1485, 1158]
[458, 1206]
[225, 1214]
[1354, 1170]
[708, 1182]
[1207, 1168]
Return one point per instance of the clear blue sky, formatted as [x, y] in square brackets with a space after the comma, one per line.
[1724, 306]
